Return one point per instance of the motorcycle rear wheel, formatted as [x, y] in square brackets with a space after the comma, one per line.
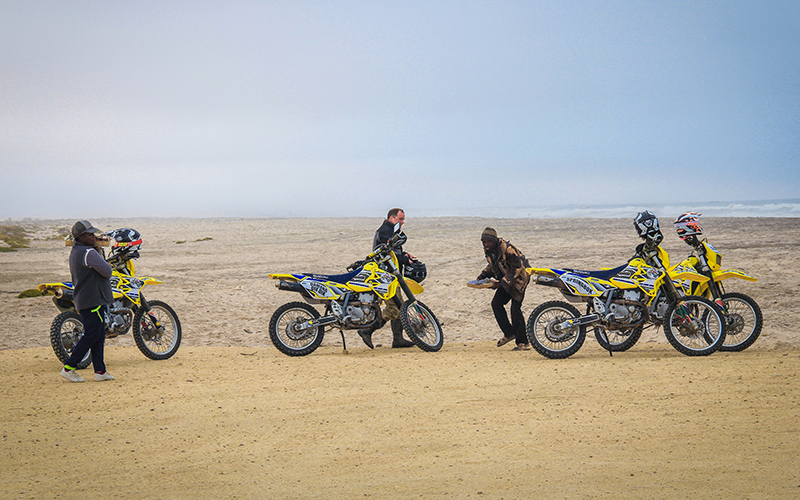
[549, 342]
[65, 332]
[421, 326]
[157, 331]
[744, 321]
[694, 326]
[285, 334]
[618, 340]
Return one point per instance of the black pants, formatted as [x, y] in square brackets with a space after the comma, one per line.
[515, 327]
[94, 338]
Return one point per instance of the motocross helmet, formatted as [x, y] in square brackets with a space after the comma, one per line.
[127, 243]
[687, 225]
[415, 270]
[646, 224]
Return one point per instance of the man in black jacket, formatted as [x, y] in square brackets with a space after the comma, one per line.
[390, 312]
[92, 289]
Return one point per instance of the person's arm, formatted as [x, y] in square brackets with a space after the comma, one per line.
[513, 262]
[93, 259]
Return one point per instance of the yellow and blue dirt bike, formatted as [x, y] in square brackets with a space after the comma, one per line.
[742, 313]
[351, 301]
[156, 328]
[620, 303]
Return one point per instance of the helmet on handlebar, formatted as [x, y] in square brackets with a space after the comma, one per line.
[646, 224]
[687, 225]
[127, 243]
[415, 270]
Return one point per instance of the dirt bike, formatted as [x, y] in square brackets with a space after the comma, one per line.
[156, 328]
[619, 303]
[352, 301]
[742, 313]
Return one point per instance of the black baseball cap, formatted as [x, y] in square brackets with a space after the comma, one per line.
[83, 226]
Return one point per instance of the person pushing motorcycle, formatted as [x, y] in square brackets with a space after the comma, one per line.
[390, 312]
[509, 267]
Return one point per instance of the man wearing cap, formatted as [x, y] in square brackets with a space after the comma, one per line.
[92, 294]
[508, 266]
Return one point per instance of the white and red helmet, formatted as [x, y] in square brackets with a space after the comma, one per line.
[126, 241]
[688, 224]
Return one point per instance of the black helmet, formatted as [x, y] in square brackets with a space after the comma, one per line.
[415, 270]
[126, 243]
[646, 224]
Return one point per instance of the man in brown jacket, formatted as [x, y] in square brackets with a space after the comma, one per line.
[508, 266]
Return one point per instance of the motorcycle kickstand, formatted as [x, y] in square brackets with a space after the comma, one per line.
[344, 343]
[605, 337]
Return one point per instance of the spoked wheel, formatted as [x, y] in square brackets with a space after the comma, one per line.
[421, 326]
[291, 331]
[694, 326]
[66, 331]
[744, 320]
[157, 331]
[618, 340]
[551, 333]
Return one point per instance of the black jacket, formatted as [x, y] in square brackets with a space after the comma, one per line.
[383, 235]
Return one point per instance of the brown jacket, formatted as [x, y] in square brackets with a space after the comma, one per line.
[508, 265]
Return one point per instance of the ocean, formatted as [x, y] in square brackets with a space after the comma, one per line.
[769, 208]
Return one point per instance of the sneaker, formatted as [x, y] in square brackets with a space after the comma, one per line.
[99, 377]
[71, 375]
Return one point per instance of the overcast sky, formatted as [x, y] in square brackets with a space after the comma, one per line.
[261, 108]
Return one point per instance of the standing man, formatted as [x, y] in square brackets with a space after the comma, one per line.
[92, 289]
[390, 312]
[508, 266]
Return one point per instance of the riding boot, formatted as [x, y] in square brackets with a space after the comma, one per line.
[366, 333]
[397, 333]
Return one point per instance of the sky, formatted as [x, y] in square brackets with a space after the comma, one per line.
[349, 108]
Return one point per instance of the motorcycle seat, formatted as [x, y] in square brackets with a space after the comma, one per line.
[605, 274]
[336, 278]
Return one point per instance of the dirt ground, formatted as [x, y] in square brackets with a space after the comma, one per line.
[231, 417]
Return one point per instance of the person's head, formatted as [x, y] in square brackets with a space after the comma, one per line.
[84, 232]
[396, 215]
[489, 239]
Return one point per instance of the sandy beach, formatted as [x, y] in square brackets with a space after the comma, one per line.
[231, 417]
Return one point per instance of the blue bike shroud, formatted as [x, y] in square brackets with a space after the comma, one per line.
[601, 275]
[337, 278]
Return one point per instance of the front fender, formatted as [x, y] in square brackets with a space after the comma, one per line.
[147, 280]
[732, 273]
[415, 287]
[686, 273]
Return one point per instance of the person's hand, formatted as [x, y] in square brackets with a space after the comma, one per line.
[410, 257]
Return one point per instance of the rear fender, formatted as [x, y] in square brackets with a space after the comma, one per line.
[50, 288]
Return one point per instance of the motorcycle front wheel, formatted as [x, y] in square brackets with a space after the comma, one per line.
[287, 333]
[694, 326]
[744, 321]
[421, 326]
[65, 332]
[548, 334]
[157, 331]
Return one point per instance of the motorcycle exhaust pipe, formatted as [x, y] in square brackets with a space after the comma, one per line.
[64, 293]
[291, 286]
